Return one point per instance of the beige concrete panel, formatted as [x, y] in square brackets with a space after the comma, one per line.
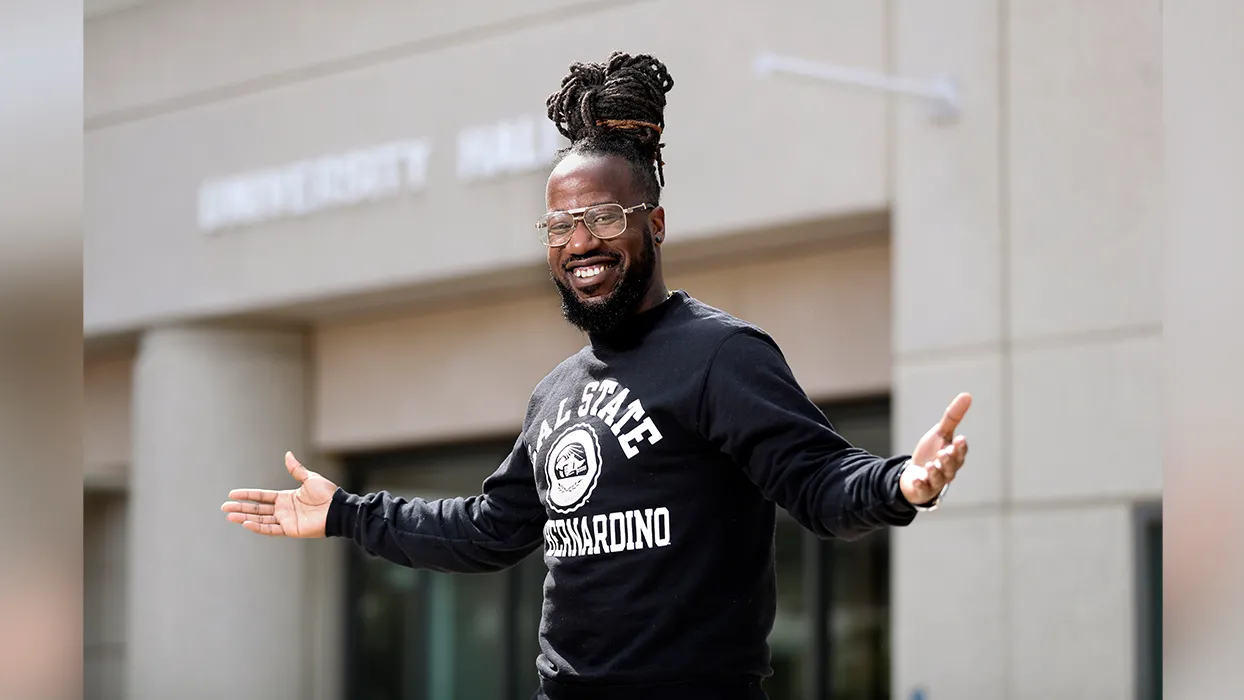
[733, 162]
[1087, 420]
[469, 370]
[461, 372]
[1071, 605]
[830, 313]
[108, 391]
[1085, 164]
[215, 409]
[722, 287]
[949, 606]
[160, 54]
[922, 390]
[947, 200]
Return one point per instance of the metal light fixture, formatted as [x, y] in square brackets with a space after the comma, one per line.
[941, 92]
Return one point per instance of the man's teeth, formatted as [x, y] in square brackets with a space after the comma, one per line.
[586, 272]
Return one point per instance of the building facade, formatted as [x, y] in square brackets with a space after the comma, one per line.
[309, 227]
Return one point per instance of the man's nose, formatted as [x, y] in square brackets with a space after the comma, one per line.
[581, 240]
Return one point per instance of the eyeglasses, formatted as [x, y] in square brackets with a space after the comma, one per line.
[604, 221]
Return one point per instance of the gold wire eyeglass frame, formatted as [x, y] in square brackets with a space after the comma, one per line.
[580, 214]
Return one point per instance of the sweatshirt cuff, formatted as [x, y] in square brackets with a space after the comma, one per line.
[342, 514]
[902, 508]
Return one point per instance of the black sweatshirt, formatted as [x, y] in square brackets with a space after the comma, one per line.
[648, 468]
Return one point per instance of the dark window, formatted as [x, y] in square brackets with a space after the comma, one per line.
[852, 643]
[104, 576]
[422, 635]
[1149, 600]
[418, 635]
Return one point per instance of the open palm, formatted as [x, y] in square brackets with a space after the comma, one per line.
[300, 512]
[938, 456]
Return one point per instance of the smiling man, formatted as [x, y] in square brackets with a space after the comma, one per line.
[650, 464]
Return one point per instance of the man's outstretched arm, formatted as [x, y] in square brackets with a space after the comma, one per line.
[753, 409]
[491, 531]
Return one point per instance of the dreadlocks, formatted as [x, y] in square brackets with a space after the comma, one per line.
[616, 108]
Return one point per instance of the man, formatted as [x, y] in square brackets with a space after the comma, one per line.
[649, 463]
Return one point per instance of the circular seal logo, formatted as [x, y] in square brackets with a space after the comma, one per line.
[573, 467]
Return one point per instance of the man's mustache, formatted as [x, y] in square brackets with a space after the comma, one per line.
[613, 257]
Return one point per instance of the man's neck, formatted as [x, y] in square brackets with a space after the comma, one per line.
[655, 296]
[632, 329]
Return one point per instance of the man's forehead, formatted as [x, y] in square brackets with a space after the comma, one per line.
[580, 181]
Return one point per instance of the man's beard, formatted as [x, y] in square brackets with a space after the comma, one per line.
[622, 303]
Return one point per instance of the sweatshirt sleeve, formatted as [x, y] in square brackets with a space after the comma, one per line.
[492, 531]
[753, 410]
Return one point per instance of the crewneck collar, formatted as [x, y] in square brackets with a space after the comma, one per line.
[630, 332]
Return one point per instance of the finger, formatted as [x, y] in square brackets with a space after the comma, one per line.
[243, 518]
[961, 451]
[919, 480]
[923, 491]
[950, 460]
[257, 495]
[252, 508]
[937, 476]
[953, 415]
[295, 468]
[264, 529]
[945, 467]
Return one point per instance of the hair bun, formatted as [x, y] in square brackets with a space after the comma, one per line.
[625, 89]
[621, 102]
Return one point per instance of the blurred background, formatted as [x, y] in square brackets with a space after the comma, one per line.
[309, 226]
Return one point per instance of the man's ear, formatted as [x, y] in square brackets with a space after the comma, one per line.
[656, 221]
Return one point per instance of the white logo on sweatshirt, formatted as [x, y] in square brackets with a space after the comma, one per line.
[608, 402]
[608, 533]
[573, 464]
[573, 467]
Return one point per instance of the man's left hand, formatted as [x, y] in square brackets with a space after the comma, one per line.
[937, 457]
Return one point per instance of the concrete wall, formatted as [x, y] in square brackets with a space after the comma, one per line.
[468, 371]
[107, 420]
[237, 94]
[1026, 271]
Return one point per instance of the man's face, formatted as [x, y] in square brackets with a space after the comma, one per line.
[602, 281]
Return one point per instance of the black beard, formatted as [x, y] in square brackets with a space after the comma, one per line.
[604, 315]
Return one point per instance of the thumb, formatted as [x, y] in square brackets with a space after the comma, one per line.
[953, 415]
[295, 468]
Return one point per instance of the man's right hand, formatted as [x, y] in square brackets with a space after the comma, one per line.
[300, 512]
